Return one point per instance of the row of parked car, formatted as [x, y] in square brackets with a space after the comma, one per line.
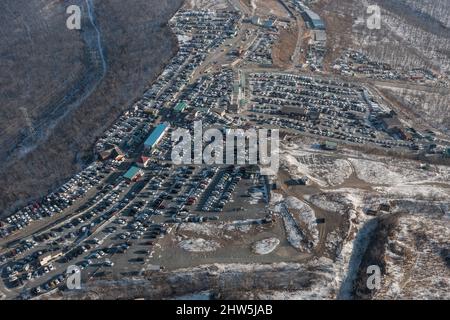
[327, 108]
[55, 202]
[220, 192]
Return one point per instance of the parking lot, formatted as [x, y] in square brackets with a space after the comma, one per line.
[327, 108]
[116, 230]
[133, 210]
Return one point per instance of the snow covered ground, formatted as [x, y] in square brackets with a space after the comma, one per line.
[205, 229]
[330, 201]
[306, 216]
[217, 230]
[391, 173]
[294, 234]
[323, 170]
[320, 272]
[415, 191]
[334, 242]
[349, 260]
[299, 222]
[275, 198]
[421, 195]
[199, 245]
[265, 246]
[256, 195]
[417, 260]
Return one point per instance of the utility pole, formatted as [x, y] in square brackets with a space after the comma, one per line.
[28, 121]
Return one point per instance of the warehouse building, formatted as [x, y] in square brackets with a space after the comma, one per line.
[320, 36]
[313, 20]
[156, 136]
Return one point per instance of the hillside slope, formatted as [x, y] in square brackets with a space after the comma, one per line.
[57, 93]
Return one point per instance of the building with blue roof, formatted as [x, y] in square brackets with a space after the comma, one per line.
[155, 137]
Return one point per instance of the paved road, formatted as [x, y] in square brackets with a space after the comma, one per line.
[407, 85]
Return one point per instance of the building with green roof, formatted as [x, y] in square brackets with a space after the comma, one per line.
[133, 173]
[181, 106]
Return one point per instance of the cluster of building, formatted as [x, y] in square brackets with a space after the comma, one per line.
[199, 32]
[318, 37]
[136, 171]
[125, 135]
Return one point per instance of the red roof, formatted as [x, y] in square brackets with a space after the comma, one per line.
[143, 159]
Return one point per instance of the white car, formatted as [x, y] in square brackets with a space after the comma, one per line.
[108, 263]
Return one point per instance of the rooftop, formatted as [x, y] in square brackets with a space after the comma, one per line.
[132, 172]
[180, 106]
[156, 135]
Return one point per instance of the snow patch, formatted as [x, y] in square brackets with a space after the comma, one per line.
[265, 246]
[199, 245]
